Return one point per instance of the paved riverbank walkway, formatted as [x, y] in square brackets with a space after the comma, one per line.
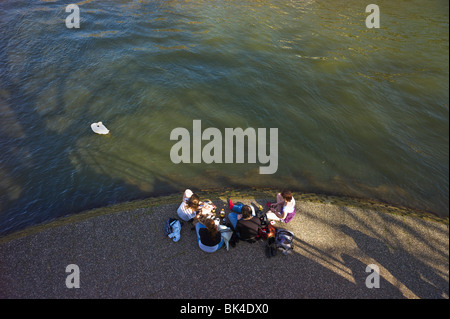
[126, 255]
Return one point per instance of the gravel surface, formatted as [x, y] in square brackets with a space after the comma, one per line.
[126, 255]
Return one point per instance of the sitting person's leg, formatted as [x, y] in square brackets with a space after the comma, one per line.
[233, 218]
[235, 207]
[272, 216]
[279, 204]
[220, 244]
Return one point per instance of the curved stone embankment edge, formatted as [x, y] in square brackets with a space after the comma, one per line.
[224, 194]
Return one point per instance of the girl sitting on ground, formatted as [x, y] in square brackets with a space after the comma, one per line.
[284, 209]
[208, 235]
[189, 207]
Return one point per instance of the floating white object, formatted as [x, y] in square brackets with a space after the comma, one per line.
[99, 128]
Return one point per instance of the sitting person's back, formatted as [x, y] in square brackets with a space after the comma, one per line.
[208, 236]
[248, 228]
[188, 209]
[247, 225]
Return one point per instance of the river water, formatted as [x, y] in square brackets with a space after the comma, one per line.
[361, 112]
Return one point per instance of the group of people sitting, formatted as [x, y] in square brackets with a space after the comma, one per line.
[243, 218]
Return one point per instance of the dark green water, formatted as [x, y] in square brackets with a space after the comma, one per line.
[359, 111]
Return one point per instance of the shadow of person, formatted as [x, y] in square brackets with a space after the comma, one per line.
[405, 272]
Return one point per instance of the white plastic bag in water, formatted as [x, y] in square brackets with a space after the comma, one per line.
[99, 128]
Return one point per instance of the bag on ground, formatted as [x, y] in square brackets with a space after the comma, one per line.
[284, 240]
[172, 229]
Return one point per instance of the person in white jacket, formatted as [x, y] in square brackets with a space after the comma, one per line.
[190, 206]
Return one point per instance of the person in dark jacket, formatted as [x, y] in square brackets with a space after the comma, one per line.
[245, 224]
